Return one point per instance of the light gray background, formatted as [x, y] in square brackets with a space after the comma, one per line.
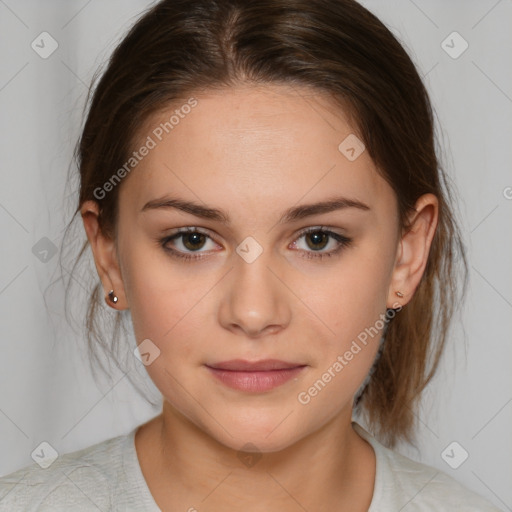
[47, 391]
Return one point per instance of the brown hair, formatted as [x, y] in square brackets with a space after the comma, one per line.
[336, 47]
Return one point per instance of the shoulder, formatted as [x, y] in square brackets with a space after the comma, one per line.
[422, 487]
[404, 484]
[81, 480]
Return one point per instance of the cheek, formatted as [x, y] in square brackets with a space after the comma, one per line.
[162, 312]
[157, 296]
[353, 307]
[343, 360]
[354, 297]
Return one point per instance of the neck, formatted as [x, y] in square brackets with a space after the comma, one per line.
[186, 468]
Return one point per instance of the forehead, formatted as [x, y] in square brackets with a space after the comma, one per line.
[267, 145]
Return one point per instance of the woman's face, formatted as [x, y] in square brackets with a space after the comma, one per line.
[255, 287]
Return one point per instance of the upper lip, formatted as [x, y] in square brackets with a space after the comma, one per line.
[253, 366]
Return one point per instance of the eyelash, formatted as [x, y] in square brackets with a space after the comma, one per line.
[341, 239]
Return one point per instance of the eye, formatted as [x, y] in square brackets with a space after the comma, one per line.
[318, 238]
[189, 240]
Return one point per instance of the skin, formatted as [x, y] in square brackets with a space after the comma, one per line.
[255, 152]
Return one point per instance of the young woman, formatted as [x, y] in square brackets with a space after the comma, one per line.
[260, 189]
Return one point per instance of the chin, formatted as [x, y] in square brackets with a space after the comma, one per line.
[264, 434]
[257, 443]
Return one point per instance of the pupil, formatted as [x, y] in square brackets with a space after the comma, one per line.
[195, 238]
[318, 237]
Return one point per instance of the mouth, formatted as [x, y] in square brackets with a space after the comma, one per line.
[241, 365]
[255, 376]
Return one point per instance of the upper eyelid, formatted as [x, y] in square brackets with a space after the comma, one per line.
[206, 231]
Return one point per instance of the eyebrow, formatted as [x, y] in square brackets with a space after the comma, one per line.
[292, 214]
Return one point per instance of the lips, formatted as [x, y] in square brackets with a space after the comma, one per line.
[255, 376]
[241, 365]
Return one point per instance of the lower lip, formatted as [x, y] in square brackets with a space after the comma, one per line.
[255, 381]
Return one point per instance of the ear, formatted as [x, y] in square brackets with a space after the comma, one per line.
[413, 250]
[105, 257]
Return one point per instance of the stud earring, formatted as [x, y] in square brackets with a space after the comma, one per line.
[112, 297]
[399, 294]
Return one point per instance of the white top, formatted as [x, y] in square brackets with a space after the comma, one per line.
[107, 477]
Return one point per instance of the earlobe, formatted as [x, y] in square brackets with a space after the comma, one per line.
[105, 257]
[413, 250]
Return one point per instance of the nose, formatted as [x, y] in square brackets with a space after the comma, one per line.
[255, 301]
